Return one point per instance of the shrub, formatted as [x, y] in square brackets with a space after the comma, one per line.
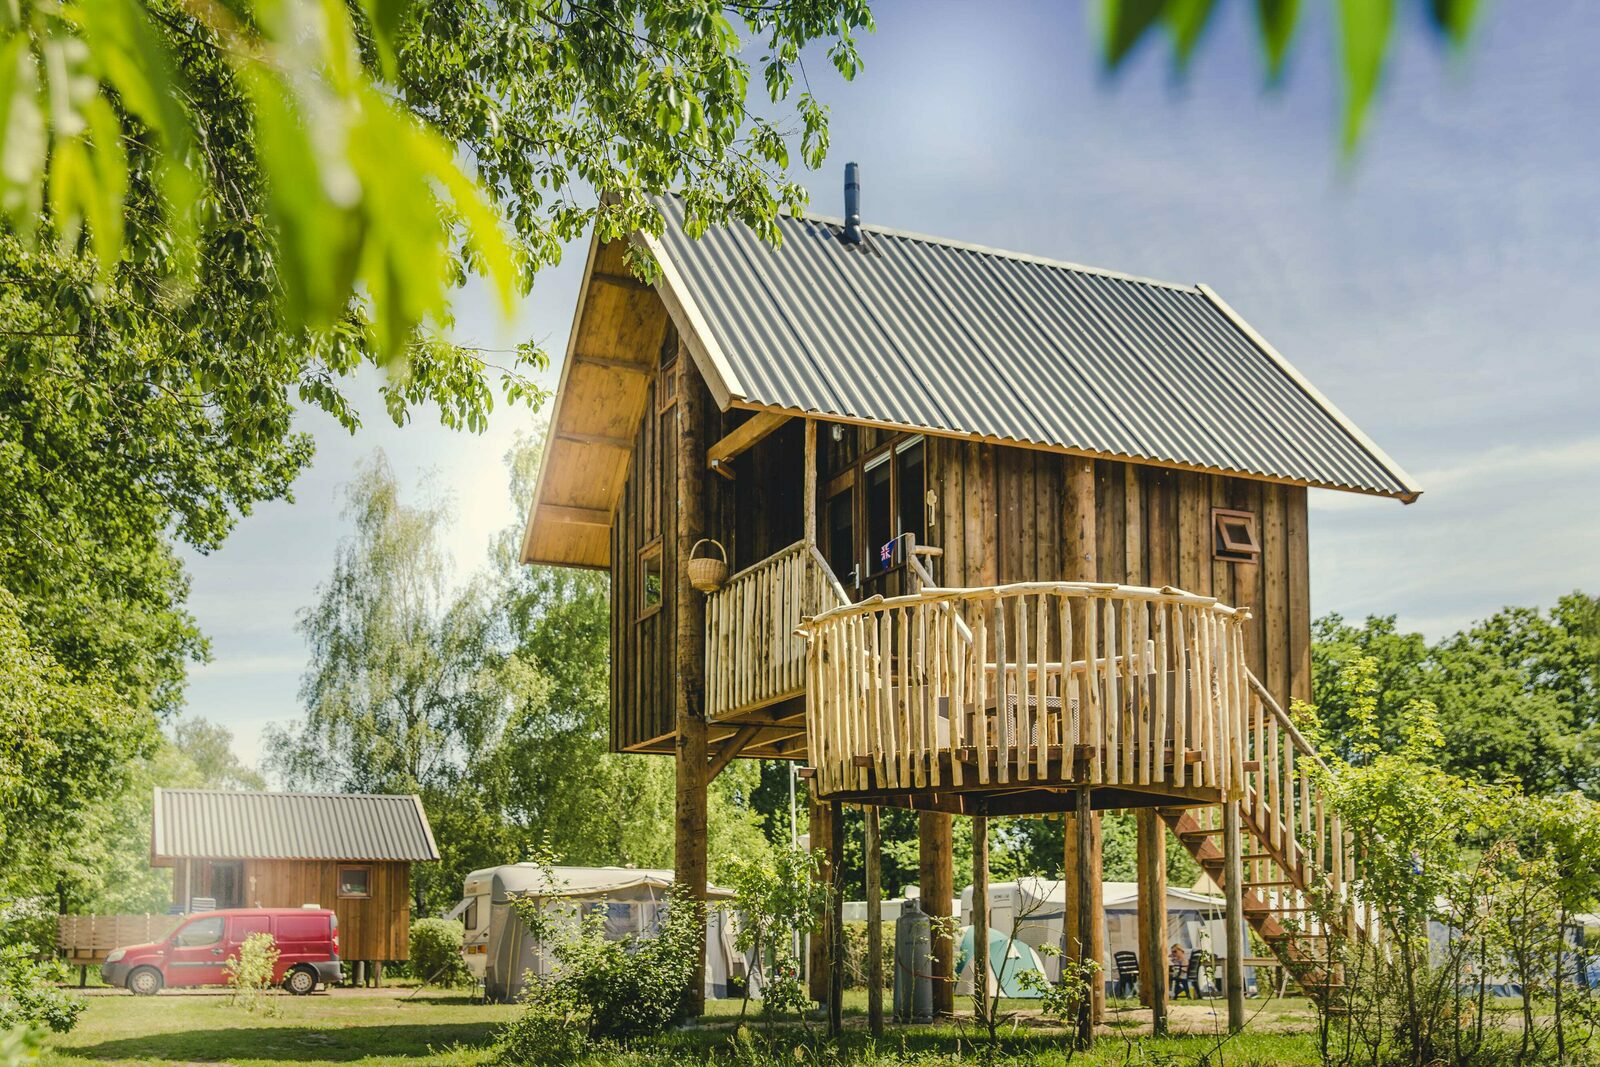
[436, 953]
[602, 990]
[249, 974]
[777, 897]
[30, 993]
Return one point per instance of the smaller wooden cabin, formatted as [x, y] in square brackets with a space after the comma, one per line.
[348, 852]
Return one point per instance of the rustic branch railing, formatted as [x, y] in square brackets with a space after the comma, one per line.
[1288, 814]
[753, 657]
[1058, 681]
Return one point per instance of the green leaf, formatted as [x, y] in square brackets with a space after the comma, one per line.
[1454, 18]
[23, 142]
[1364, 27]
[386, 18]
[107, 187]
[1125, 24]
[1186, 21]
[1276, 20]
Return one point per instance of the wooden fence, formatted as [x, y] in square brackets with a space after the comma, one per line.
[88, 939]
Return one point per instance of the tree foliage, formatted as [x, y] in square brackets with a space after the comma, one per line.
[1517, 694]
[490, 699]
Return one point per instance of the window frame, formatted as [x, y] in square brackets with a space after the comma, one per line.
[338, 885]
[1226, 544]
[643, 609]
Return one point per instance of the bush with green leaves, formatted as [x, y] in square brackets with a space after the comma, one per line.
[778, 897]
[249, 974]
[1499, 872]
[602, 990]
[31, 997]
[436, 953]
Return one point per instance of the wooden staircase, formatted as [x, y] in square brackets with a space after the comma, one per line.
[1298, 860]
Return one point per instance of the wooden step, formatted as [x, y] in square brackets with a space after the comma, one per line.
[1281, 884]
[1199, 833]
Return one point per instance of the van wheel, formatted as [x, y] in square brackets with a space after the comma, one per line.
[145, 982]
[300, 981]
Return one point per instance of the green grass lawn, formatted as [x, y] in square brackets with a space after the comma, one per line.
[450, 1031]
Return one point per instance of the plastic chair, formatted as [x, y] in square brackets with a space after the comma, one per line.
[1190, 980]
[1127, 964]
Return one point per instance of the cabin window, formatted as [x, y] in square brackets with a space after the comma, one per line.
[355, 881]
[667, 377]
[1233, 536]
[911, 489]
[842, 535]
[880, 512]
[650, 579]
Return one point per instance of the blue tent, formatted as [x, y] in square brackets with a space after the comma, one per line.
[1009, 960]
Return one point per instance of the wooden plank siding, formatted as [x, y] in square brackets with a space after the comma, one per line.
[644, 645]
[374, 927]
[1002, 513]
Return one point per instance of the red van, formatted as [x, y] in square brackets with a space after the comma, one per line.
[194, 955]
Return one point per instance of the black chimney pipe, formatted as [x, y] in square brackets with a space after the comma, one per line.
[852, 204]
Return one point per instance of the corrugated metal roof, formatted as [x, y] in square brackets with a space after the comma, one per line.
[222, 824]
[936, 335]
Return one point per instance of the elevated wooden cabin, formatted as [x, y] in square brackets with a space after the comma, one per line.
[1006, 535]
[348, 852]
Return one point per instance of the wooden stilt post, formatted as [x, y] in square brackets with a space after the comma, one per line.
[689, 608]
[874, 926]
[836, 925]
[936, 878]
[1087, 878]
[980, 920]
[817, 955]
[1233, 895]
[1085, 911]
[1152, 862]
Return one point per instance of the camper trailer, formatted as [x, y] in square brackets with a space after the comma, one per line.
[501, 952]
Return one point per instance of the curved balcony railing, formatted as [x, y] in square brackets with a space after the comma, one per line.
[1046, 682]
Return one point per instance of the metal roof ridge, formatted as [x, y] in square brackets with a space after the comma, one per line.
[282, 793]
[1003, 253]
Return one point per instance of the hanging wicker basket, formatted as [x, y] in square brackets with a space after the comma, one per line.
[707, 573]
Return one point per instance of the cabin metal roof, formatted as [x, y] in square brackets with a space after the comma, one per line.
[225, 824]
[955, 339]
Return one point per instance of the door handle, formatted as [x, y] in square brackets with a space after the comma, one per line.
[216, 952]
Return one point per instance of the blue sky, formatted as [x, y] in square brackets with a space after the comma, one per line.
[1444, 290]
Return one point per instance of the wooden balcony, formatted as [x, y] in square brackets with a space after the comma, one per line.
[754, 656]
[1006, 695]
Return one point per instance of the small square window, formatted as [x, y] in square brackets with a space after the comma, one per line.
[667, 377]
[355, 882]
[1233, 536]
[650, 579]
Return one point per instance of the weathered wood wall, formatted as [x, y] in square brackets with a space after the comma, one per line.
[374, 927]
[644, 645]
[1004, 515]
